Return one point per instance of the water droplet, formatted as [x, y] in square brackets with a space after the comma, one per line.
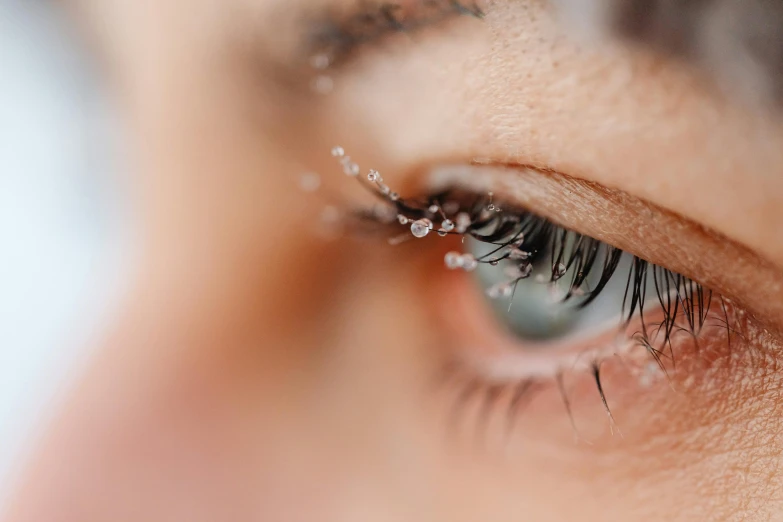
[338, 152]
[469, 262]
[463, 222]
[394, 196]
[493, 262]
[442, 233]
[559, 269]
[373, 175]
[320, 61]
[384, 189]
[453, 260]
[349, 167]
[518, 272]
[420, 228]
[402, 219]
[447, 225]
[434, 209]
[518, 254]
[309, 181]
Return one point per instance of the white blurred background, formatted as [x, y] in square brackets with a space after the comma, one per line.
[63, 242]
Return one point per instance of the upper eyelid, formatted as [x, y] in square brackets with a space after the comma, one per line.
[639, 228]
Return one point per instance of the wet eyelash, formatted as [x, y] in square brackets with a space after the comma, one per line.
[338, 36]
[523, 238]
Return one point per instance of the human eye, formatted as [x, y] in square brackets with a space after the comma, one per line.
[529, 304]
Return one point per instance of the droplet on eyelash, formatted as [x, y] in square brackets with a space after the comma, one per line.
[402, 219]
[394, 196]
[463, 222]
[559, 270]
[519, 241]
[442, 233]
[349, 167]
[323, 84]
[493, 262]
[373, 175]
[434, 209]
[469, 262]
[338, 152]
[420, 228]
[320, 61]
[491, 206]
[309, 181]
[453, 260]
[504, 289]
[447, 225]
[518, 272]
[516, 253]
[384, 189]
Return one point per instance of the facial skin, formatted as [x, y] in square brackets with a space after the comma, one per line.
[256, 372]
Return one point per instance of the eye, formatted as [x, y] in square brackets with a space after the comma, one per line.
[528, 300]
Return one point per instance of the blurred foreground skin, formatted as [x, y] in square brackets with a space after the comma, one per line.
[256, 374]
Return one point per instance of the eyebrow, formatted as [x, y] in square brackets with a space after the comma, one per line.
[738, 42]
[338, 35]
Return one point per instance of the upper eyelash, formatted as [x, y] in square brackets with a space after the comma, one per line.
[684, 303]
[678, 295]
[339, 36]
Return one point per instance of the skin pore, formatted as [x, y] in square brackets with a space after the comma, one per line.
[257, 373]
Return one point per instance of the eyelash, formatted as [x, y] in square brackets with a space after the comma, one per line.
[509, 228]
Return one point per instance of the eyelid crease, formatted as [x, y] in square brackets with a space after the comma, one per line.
[633, 225]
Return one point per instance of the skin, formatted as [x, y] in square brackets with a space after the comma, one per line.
[256, 373]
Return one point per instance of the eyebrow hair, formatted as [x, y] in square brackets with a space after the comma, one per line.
[339, 35]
